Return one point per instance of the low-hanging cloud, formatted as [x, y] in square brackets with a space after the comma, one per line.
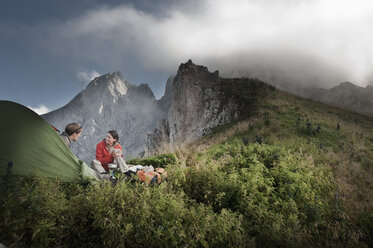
[87, 76]
[42, 109]
[321, 42]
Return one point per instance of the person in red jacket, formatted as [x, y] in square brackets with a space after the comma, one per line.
[108, 149]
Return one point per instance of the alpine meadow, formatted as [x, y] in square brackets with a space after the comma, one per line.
[288, 172]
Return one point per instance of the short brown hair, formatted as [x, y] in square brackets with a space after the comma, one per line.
[115, 135]
[72, 128]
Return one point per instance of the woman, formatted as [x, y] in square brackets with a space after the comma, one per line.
[109, 149]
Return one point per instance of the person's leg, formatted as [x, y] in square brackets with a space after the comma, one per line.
[123, 168]
[99, 170]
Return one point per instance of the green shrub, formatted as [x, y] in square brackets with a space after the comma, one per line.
[137, 215]
[366, 225]
[42, 212]
[31, 211]
[156, 161]
[278, 193]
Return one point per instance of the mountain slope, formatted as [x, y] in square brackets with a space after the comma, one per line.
[290, 147]
[325, 138]
[346, 95]
[299, 171]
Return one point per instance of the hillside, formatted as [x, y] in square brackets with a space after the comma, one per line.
[288, 172]
[336, 147]
[345, 95]
[301, 147]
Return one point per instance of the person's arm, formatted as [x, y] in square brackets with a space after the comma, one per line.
[117, 151]
[118, 146]
[121, 151]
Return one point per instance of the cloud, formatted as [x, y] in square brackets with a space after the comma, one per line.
[87, 76]
[42, 109]
[318, 42]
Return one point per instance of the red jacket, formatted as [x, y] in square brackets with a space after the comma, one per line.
[103, 155]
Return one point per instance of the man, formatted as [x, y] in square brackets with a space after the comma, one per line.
[72, 133]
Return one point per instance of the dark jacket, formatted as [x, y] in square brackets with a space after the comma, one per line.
[65, 139]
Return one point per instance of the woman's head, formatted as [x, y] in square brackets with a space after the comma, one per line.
[111, 137]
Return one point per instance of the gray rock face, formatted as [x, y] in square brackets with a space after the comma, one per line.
[109, 102]
[196, 104]
[196, 107]
[165, 101]
[158, 141]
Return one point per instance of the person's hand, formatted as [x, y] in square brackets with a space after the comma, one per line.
[117, 153]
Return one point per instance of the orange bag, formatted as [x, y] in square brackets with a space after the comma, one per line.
[152, 176]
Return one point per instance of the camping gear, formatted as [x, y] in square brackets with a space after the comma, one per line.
[31, 147]
[151, 177]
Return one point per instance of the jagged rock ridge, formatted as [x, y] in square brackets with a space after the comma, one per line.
[197, 106]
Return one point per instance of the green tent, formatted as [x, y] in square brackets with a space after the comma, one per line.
[30, 146]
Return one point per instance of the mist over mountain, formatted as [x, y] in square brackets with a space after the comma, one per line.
[285, 69]
[345, 95]
[301, 75]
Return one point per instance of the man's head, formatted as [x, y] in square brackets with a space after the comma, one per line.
[73, 130]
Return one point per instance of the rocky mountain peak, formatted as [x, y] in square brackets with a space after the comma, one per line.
[195, 105]
[191, 68]
[113, 83]
[347, 95]
[144, 89]
[346, 85]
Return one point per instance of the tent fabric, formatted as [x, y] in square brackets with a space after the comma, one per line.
[30, 146]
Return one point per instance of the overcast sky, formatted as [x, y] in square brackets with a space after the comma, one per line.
[50, 50]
